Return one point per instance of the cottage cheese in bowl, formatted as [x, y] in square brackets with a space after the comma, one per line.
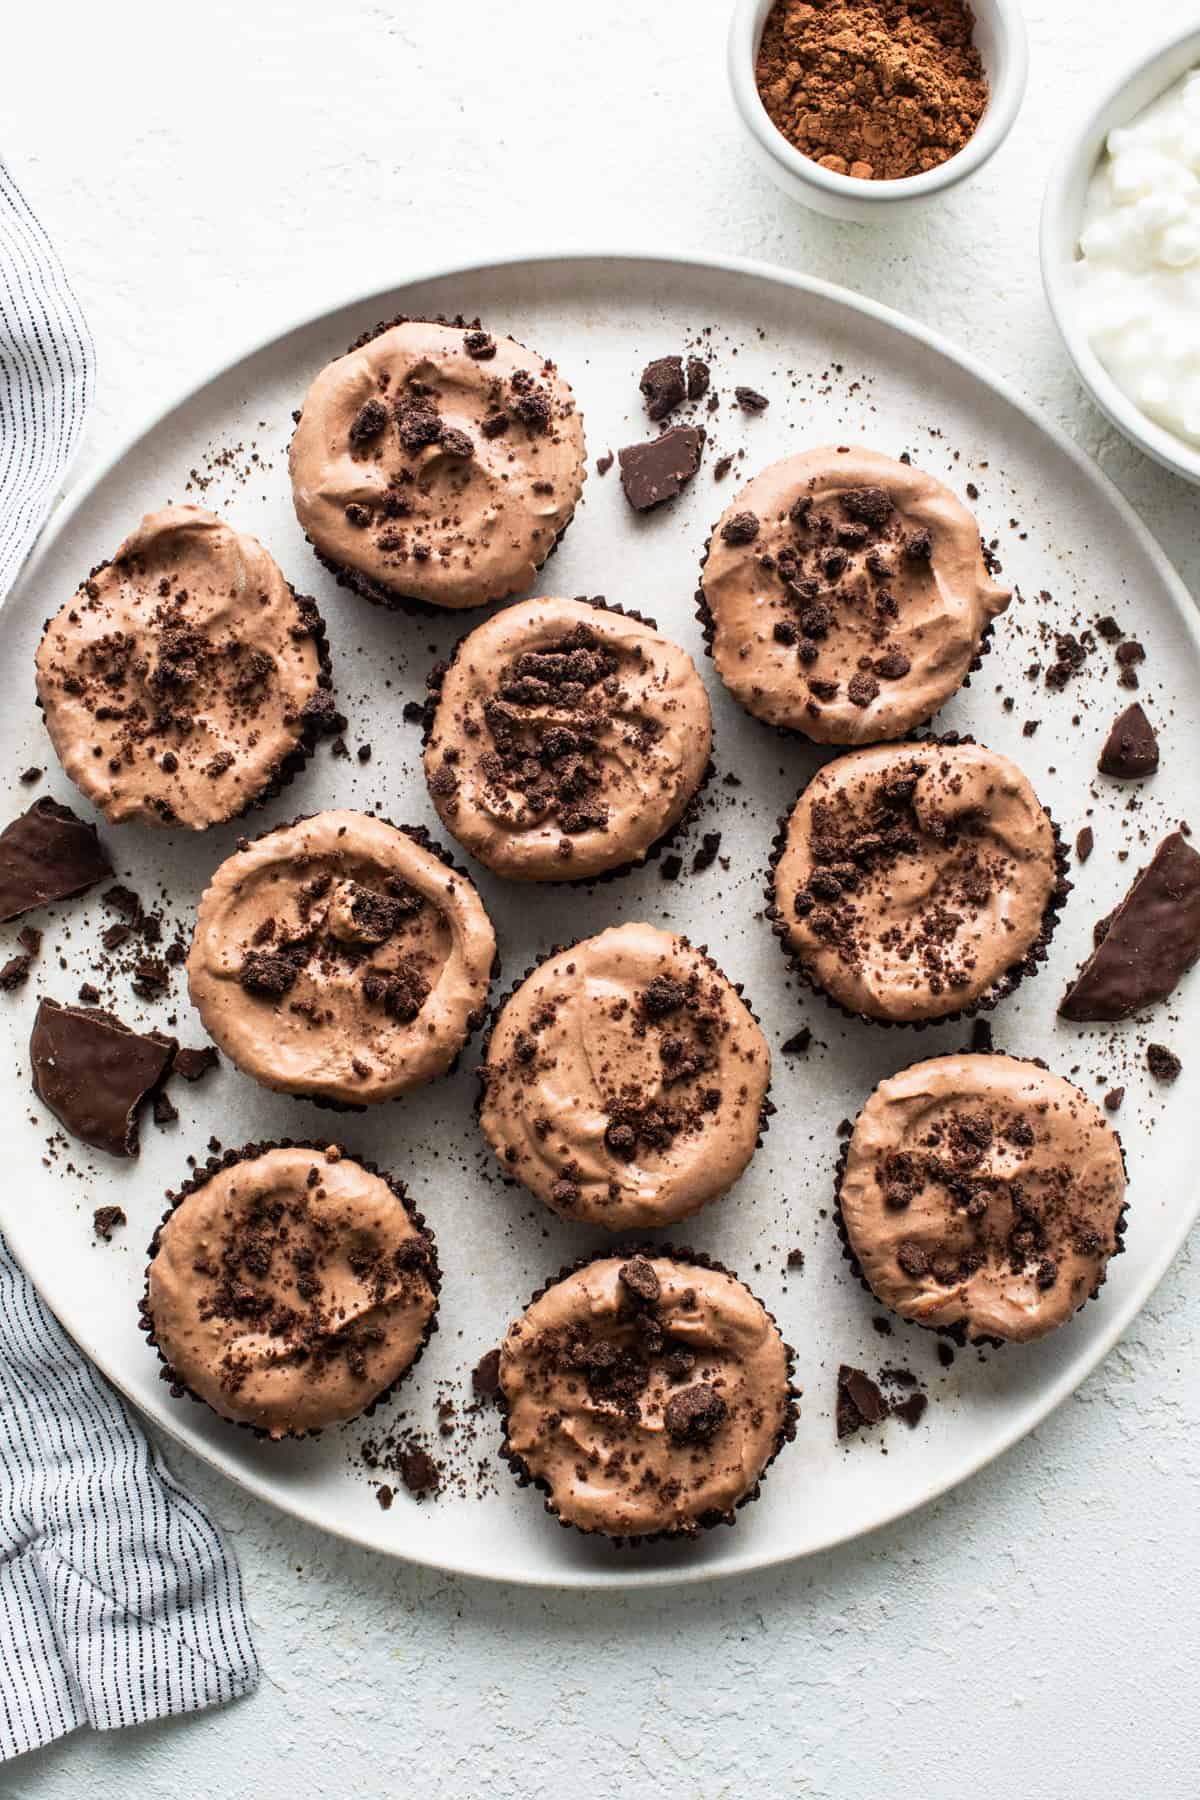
[1139, 267]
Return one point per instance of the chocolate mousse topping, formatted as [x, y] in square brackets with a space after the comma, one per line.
[1148, 944]
[437, 463]
[95, 1073]
[185, 680]
[566, 740]
[48, 854]
[341, 958]
[289, 1287]
[983, 1194]
[645, 1394]
[916, 880]
[625, 1081]
[846, 596]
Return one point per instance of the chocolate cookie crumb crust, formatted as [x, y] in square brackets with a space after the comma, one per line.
[918, 882]
[645, 1394]
[186, 682]
[625, 1080]
[981, 1196]
[341, 959]
[565, 739]
[290, 1287]
[845, 596]
[437, 465]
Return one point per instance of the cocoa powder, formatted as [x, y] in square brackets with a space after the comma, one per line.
[877, 89]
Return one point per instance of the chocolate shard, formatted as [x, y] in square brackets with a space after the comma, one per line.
[859, 1401]
[1131, 749]
[47, 854]
[194, 1065]
[655, 471]
[1150, 942]
[95, 1074]
[663, 385]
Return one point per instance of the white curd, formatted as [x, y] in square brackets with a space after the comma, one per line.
[1139, 268]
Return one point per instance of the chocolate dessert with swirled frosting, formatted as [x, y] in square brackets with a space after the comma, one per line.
[437, 463]
[845, 595]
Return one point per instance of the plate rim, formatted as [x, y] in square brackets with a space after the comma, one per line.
[622, 1575]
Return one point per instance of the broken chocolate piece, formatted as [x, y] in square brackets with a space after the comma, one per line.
[1151, 940]
[698, 377]
[655, 471]
[193, 1065]
[47, 854]
[1085, 843]
[663, 385]
[750, 401]
[485, 1376]
[1131, 749]
[105, 1220]
[1162, 1063]
[859, 1401]
[95, 1074]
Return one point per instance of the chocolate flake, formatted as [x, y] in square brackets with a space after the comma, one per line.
[47, 854]
[1151, 940]
[1131, 748]
[654, 472]
[94, 1073]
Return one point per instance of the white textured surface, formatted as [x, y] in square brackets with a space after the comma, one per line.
[206, 172]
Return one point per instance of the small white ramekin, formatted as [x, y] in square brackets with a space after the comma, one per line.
[1062, 215]
[1000, 37]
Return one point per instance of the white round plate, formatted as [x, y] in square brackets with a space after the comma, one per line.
[835, 368]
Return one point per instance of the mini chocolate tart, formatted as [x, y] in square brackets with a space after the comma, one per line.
[916, 882]
[186, 681]
[437, 464]
[645, 1394]
[290, 1287]
[566, 740]
[845, 596]
[625, 1080]
[983, 1196]
[341, 958]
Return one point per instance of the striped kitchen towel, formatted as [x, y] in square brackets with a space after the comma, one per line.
[119, 1602]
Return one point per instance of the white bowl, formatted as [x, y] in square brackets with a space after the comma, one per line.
[1000, 38]
[1062, 214]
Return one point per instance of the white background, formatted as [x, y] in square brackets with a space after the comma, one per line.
[210, 171]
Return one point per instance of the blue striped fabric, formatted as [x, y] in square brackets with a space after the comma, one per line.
[119, 1602]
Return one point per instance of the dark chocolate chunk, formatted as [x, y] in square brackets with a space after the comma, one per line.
[15, 973]
[1131, 749]
[47, 854]
[695, 1414]
[706, 855]
[604, 463]
[911, 1409]
[1113, 1099]
[655, 471]
[859, 1401]
[798, 1044]
[164, 1110]
[750, 401]
[193, 1065]
[663, 385]
[1162, 1063]
[106, 1219]
[1085, 843]
[94, 1073]
[1151, 940]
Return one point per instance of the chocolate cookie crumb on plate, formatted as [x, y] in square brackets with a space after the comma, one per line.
[798, 1043]
[750, 401]
[654, 472]
[1085, 843]
[95, 1074]
[1131, 748]
[106, 1219]
[48, 854]
[859, 1401]
[15, 973]
[1113, 1099]
[418, 1471]
[1147, 945]
[1162, 1063]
